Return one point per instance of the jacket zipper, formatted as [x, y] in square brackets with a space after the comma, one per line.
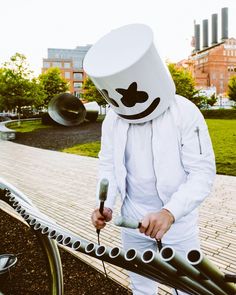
[197, 130]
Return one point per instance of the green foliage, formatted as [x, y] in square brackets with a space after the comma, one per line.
[90, 93]
[90, 149]
[26, 126]
[219, 114]
[212, 100]
[52, 84]
[185, 86]
[232, 88]
[223, 135]
[184, 81]
[17, 89]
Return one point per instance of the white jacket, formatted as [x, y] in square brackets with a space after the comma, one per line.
[184, 160]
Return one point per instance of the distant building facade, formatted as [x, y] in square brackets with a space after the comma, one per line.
[212, 65]
[70, 63]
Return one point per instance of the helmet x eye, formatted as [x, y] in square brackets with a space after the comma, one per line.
[131, 95]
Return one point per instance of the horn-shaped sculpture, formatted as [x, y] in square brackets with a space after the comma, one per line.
[196, 276]
[66, 109]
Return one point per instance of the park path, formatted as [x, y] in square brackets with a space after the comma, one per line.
[63, 187]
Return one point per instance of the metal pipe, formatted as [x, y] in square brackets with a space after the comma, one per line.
[14, 197]
[13, 190]
[224, 24]
[169, 255]
[132, 256]
[214, 29]
[205, 266]
[197, 37]
[205, 33]
[52, 254]
[150, 257]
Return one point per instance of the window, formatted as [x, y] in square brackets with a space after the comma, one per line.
[78, 76]
[67, 75]
[66, 65]
[221, 85]
[77, 85]
[46, 64]
[56, 64]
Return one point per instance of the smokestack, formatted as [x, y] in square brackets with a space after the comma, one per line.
[205, 33]
[224, 23]
[214, 30]
[197, 37]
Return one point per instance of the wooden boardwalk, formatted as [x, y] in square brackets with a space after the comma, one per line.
[63, 187]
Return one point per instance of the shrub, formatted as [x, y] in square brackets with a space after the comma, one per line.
[219, 114]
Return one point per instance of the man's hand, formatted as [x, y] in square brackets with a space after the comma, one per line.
[156, 224]
[99, 220]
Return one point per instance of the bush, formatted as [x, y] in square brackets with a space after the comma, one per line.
[219, 114]
[91, 116]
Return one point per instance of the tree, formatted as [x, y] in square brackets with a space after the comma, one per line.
[212, 100]
[90, 93]
[185, 85]
[17, 89]
[232, 88]
[52, 84]
[184, 82]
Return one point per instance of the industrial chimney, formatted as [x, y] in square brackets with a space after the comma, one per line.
[214, 29]
[205, 33]
[224, 23]
[197, 37]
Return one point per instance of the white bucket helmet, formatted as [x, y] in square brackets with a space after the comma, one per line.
[128, 71]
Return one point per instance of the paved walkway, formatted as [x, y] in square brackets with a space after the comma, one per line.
[63, 187]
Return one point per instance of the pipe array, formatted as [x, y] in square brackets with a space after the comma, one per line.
[195, 275]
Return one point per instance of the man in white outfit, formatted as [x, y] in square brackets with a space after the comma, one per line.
[155, 149]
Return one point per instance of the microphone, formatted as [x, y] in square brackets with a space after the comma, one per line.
[102, 196]
[127, 222]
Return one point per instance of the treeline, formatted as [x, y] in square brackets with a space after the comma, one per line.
[18, 87]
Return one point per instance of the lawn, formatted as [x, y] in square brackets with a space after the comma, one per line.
[27, 126]
[223, 135]
[90, 149]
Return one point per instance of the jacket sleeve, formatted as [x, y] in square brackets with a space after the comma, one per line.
[198, 161]
[106, 160]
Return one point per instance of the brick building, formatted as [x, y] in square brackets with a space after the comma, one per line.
[70, 63]
[212, 66]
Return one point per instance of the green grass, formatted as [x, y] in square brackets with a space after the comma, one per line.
[90, 149]
[27, 126]
[223, 136]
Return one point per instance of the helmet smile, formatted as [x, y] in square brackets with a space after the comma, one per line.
[145, 113]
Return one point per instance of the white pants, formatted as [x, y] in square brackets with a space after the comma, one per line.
[141, 285]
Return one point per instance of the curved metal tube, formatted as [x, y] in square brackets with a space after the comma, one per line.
[6, 262]
[181, 282]
[49, 247]
[205, 266]
[167, 268]
[169, 255]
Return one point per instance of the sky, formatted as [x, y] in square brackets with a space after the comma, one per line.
[31, 27]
